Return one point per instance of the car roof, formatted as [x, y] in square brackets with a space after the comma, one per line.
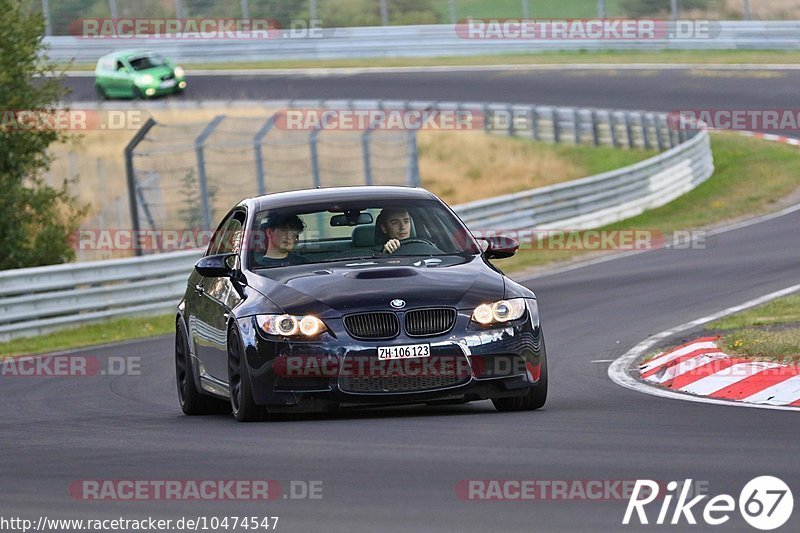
[337, 194]
[130, 52]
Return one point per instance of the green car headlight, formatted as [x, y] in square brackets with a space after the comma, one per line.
[178, 71]
[499, 311]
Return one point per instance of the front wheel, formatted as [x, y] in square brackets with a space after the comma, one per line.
[101, 93]
[242, 404]
[534, 399]
[191, 401]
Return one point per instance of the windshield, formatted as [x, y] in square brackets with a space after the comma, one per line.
[147, 61]
[356, 230]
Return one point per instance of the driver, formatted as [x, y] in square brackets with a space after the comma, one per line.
[395, 223]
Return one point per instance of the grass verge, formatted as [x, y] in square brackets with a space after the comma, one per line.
[769, 332]
[730, 193]
[699, 57]
[118, 329]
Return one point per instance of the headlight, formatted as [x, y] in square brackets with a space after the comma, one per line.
[290, 325]
[144, 79]
[178, 71]
[499, 312]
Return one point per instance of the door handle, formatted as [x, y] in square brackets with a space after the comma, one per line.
[199, 289]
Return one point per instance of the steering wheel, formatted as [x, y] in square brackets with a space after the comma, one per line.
[417, 241]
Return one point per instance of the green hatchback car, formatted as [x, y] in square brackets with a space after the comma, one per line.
[137, 74]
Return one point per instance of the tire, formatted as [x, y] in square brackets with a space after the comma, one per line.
[137, 93]
[101, 93]
[534, 399]
[242, 405]
[192, 402]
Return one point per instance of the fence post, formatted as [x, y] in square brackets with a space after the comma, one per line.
[312, 144]
[595, 130]
[601, 9]
[486, 118]
[576, 123]
[112, 6]
[534, 124]
[131, 176]
[259, 136]
[48, 26]
[384, 13]
[412, 169]
[366, 155]
[526, 9]
[245, 9]
[201, 169]
[101, 185]
[511, 131]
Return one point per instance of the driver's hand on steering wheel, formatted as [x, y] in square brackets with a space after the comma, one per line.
[391, 246]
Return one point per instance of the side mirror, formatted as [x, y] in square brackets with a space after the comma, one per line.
[218, 266]
[499, 246]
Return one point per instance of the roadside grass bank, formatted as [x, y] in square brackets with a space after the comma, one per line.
[752, 177]
[622, 57]
[770, 332]
[114, 330]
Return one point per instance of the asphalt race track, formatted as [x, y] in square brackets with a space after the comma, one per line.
[396, 469]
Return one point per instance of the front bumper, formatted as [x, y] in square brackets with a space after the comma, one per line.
[468, 363]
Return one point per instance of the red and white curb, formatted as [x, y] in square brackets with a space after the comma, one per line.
[626, 370]
[702, 369]
[770, 137]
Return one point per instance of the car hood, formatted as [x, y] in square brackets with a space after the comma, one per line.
[336, 289]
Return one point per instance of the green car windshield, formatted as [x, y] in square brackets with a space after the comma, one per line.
[146, 62]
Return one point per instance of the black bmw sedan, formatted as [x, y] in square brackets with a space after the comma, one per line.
[320, 299]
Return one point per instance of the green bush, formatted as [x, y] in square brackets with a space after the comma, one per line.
[641, 8]
[37, 220]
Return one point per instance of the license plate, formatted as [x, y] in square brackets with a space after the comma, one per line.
[404, 352]
[167, 83]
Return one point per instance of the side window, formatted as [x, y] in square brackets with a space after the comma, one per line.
[120, 66]
[228, 237]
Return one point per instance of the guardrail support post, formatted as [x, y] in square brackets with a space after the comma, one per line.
[534, 124]
[259, 136]
[556, 126]
[629, 129]
[201, 169]
[510, 111]
[576, 123]
[595, 130]
[612, 127]
[645, 131]
[659, 133]
[131, 176]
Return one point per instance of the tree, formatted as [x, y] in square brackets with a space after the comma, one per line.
[36, 219]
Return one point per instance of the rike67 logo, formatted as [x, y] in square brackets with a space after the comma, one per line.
[765, 503]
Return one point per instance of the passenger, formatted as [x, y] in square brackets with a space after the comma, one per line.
[395, 224]
[282, 233]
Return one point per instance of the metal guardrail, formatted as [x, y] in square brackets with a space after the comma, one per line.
[414, 41]
[36, 300]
